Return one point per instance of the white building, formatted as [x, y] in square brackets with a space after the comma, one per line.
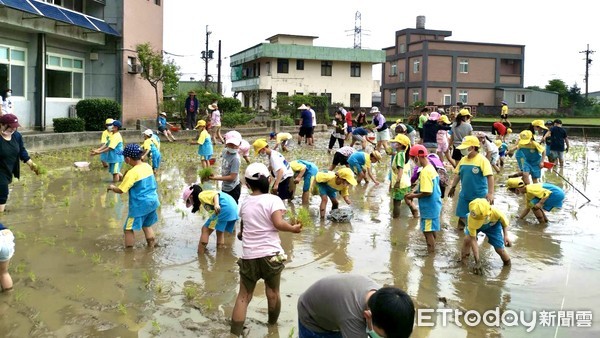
[291, 65]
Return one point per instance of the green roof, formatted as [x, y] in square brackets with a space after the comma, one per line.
[286, 51]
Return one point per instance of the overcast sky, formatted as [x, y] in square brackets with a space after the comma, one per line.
[553, 35]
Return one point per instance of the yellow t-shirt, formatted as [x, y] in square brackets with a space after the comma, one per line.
[203, 135]
[536, 190]
[105, 137]
[504, 110]
[329, 178]
[494, 217]
[283, 137]
[147, 144]
[426, 177]
[208, 197]
[114, 140]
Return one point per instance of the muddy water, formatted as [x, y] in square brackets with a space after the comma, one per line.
[73, 278]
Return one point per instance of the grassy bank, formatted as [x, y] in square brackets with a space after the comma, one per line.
[580, 121]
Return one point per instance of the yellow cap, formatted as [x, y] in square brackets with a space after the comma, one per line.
[376, 154]
[498, 143]
[399, 121]
[469, 141]
[515, 182]
[200, 123]
[539, 123]
[464, 112]
[525, 137]
[259, 144]
[109, 121]
[348, 175]
[508, 131]
[402, 139]
[479, 210]
[444, 119]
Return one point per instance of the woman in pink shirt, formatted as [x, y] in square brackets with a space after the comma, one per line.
[215, 123]
[262, 254]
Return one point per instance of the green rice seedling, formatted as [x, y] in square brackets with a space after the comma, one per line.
[291, 217]
[19, 234]
[19, 296]
[41, 169]
[291, 334]
[147, 279]
[190, 292]
[304, 217]
[205, 173]
[122, 309]
[71, 250]
[155, 327]
[159, 288]
[208, 305]
[83, 253]
[20, 267]
[96, 258]
[67, 201]
[79, 290]
[117, 271]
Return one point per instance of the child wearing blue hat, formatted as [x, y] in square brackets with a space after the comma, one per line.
[113, 148]
[143, 198]
[7, 250]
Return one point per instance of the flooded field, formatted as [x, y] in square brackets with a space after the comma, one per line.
[74, 279]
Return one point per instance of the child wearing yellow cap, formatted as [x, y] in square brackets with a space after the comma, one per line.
[539, 196]
[474, 172]
[204, 142]
[400, 175]
[330, 184]
[530, 155]
[104, 140]
[493, 223]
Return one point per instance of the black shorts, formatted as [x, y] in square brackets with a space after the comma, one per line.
[306, 131]
[161, 129]
[235, 192]
[339, 158]
[456, 154]
[252, 270]
[504, 116]
[3, 193]
[283, 189]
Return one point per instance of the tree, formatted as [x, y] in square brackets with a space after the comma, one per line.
[156, 70]
[560, 87]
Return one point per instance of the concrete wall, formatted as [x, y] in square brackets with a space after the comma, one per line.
[142, 22]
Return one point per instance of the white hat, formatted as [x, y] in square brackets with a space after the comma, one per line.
[233, 140]
[148, 132]
[375, 110]
[255, 170]
[163, 113]
[303, 107]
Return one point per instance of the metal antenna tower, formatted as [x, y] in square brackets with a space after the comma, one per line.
[357, 31]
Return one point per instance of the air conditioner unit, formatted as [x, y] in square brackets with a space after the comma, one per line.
[72, 111]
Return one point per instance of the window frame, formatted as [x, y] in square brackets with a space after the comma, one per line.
[300, 64]
[463, 96]
[393, 97]
[401, 77]
[72, 70]
[521, 98]
[326, 68]
[10, 62]
[416, 66]
[283, 66]
[355, 69]
[393, 69]
[463, 66]
[416, 95]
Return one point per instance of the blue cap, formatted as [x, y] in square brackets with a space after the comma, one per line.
[117, 123]
[2, 227]
[272, 135]
[132, 150]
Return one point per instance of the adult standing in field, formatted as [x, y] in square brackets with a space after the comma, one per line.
[559, 142]
[460, 128]
[383, 132]
[306, 125]
[191, 109]
[361, 118]
[313, 114]
[12, 150]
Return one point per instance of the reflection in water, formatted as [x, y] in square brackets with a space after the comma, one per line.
[73, 277]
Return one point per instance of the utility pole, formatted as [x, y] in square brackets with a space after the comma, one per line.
[588, 62]
[219, 71]
[207, 55]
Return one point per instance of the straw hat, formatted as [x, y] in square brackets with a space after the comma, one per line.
[376, 154]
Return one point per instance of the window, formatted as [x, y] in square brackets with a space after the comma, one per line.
[401, 76]
[326, 67]
[355, 100]
[393, 99]
[416, 66]
[299, 64]
[131, 61]
[64, 76]
[282, 93]
[415, 95]
[520, 98]
[328, 95]
[268, 68]
[354, 69]
[13, 63]
[402, 48]
[157, 2]
[394, 70]
[447, 99]
[463, 66]
[463, 96]
[283, 66]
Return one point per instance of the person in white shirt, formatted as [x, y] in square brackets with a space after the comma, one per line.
[280, 167]
[262, 254]
[490, 149]
[7, 104]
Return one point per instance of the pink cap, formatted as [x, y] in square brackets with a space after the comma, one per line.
[187, 193]
[434, 116]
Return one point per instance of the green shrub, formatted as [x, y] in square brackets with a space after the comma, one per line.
[95, 112]
[229, 105]
[68, 124]
[287, 121]
[234, 119]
